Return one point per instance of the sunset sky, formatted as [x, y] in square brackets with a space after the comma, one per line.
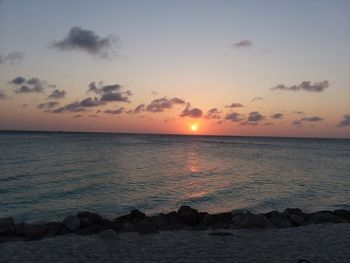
[279, 68]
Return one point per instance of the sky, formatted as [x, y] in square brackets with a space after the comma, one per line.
[255, 68]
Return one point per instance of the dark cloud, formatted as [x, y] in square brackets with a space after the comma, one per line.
[110, 92]
[234, 117]
[88, 41]
[312, 119]
[345, 121]
[256, 99]
[268, 124]
[138, 109]
[305, 85]
[47, 105]
[243, 44]
[255, 116]
[90, 102]
[234, 105]
[12, 58]
[77, 116]
[277, 116]
[57, 94]
[32, 85]
[161, 104]
[193, 113]
[18, 81]
[213, 114]
[116, 111]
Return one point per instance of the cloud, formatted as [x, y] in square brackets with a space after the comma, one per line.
[12, 58]
[297, 123]
[88, 41]
[110, 92]
[57, 94]
[138, 109]
[305, 85]
[243, 44]
[117, 111]
[77, 116]
[277, 116]
[255, 116]
[268, 124]
[90, 102]
[299, 112]
[256, 99]
[192, 113]
[234, 105]
[213, 114]
[71, 107]
[161, 104]
[345, 121]
[31, 85]
[3, 95]
[234, 117]
[47, 105]
[312, 119]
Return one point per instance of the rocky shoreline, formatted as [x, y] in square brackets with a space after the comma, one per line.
[186, 218]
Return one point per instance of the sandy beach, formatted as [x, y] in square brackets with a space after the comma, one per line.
[316, 243]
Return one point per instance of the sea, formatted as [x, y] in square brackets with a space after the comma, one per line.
[49, 175]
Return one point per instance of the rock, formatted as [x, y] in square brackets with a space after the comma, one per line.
[342, 213]
[134, 216]
[217, 219]
[30, 231]
[146, 227]
[54, 228]
[108, 234]
[7, 226]
[85, 222]
[323, 217]
[278, 219]
[188, 216]
[127, 227]
[250, 220]
[95, 219]
[72, 223]
[296, 216]
[160, 221]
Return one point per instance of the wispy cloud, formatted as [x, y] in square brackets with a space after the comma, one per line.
[57, 94]
[345, 121]
[277, 116]
[234, 105]
[257, 99]
[312, 119]
[12, 58]
[31, 85]
[116, 111]
[110, 93]
[138, 109]
[47, 105]
[305, 85]
[234, 117]
[243, 44]
[88, 41]
[3, 95]
[213, 114]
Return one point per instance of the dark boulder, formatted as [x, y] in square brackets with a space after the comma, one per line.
[324, 217]
[30, 231]
[221, 220]
[7, 226]
[278, 219]
[54, 228]
[342, 213]
[296, 216]
[95, 219]
[85, 222]
[134, 216]
[71, 223]
[146, 227]
[189, 216]
[249, 220]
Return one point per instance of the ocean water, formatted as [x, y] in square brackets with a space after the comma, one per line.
[46, 176]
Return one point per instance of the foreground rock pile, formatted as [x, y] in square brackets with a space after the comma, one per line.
[186, 218]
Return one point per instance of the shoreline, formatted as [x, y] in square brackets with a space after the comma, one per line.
[186, 218]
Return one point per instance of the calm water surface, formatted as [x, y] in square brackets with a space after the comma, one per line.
[50, 175]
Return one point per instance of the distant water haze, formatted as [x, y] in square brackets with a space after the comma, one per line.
[50, 175]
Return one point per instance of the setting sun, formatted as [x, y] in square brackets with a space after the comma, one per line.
[194, 126]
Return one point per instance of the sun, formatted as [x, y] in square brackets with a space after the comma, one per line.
[194, 126]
